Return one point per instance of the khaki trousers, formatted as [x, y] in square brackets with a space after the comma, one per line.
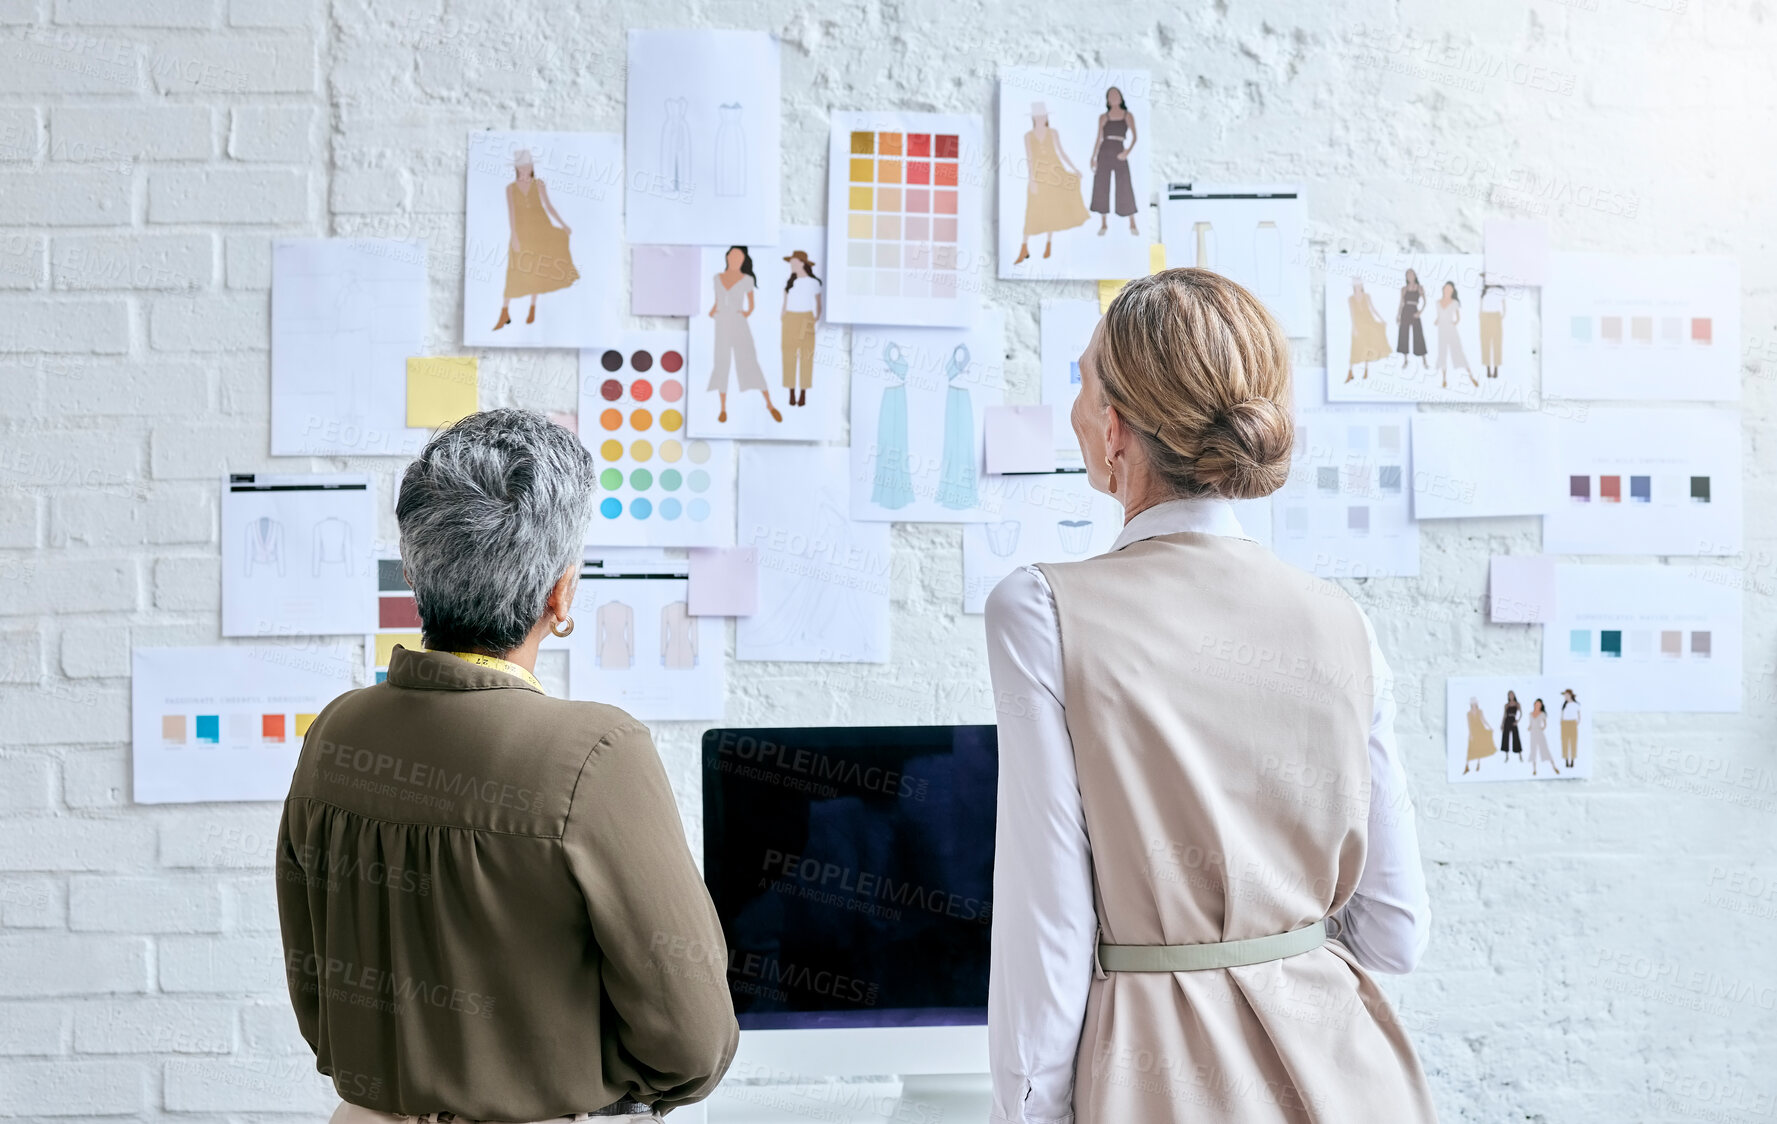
[1570, 737]
[798, 348]
[1492, 338]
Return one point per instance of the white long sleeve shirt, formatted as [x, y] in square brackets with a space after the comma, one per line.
[1045, 924]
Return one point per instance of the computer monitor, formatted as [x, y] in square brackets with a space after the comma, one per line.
[852, 869]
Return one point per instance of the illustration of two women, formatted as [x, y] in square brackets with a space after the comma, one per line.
[1052, 201]
[538, 259]
[736, 298]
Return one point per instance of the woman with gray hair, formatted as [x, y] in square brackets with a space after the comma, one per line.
[488, 905]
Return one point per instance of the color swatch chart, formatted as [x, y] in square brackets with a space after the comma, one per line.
[227, 722]
[1650, 326]
[1639, 643]
[655, 486]
[1344, 511]
[910, 225]
[1610, 489]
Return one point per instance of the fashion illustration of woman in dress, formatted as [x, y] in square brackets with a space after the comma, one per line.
[958, 466]
[537, 260]
[1110, 161]
[1450, 353]
[735, 300]
[1052, 201]
[1411, 330]
[1508, 728]
[1480, 737]
[801, 312]
[893, 486]
[1539, 741]
[1369, 339]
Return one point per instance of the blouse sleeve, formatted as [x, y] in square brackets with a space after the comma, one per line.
[1387, 922]
[1045, 925]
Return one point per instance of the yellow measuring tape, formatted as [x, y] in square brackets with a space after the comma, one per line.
[498, 664]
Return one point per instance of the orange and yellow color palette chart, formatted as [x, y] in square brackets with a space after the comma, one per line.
[908, 186]
[656, 486]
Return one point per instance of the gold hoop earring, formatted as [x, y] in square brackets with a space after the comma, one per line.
[1112, 465]
[556, 629]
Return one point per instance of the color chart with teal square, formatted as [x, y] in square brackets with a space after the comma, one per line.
[209, 728]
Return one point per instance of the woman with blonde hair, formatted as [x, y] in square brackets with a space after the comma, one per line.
[1168, 881]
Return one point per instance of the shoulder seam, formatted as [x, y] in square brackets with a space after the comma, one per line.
[620, 728]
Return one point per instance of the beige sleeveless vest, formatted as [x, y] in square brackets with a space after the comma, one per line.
[1219, 703]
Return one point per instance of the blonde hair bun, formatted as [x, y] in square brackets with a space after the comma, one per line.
[1245, 452]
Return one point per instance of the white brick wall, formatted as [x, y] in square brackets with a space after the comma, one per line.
[1602, 951]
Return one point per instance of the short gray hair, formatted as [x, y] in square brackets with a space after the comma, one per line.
[492, 513]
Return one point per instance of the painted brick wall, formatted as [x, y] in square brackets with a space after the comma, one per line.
[1602, 950]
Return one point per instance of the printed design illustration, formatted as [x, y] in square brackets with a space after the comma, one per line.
[1412, 331]
[1002, 537]
[538, 259]
[1450, 353]
[957, 470]
[1075, 535]
[675, 149]
[332, 546]
[736, 297]
[265, 545]
[731, 151]
[678, 637]
[1482, 745]
[1369, 339]
[801, 314]
[615, 646]
[1052, 202]
[823, 612]
[1110, 162]
[894, 479]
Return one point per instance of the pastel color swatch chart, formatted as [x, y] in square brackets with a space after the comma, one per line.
[1343, 512]
[656, 486]
[906, 195]
[1642, 326]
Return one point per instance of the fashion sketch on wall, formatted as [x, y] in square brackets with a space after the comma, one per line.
[542, 228]
[1449, 334]
[1072, 149]
[917, 406]
[766, 363]
[702, 125]
[1254, 234]
[646, 654]
[1517, 728]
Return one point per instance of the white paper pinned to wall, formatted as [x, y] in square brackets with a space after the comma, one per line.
[1344, 511]
[1063, 332]
[1045, 518]
[1253, 234]
[637, 646]
[1476, 465]
[297, 554]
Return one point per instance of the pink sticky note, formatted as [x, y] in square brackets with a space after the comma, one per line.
[663, 280]
[1515, 251]
[1020, 438]
[724, 581]
[568, 421]
[1521, 588]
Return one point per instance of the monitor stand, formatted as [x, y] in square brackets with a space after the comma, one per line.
[960, 1098]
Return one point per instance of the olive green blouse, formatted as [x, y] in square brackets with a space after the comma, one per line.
[489, 907]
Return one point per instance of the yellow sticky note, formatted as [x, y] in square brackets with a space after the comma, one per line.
[1156, 257]
[386, 641]
[441, 389]
[303, 722]
[1107, 291]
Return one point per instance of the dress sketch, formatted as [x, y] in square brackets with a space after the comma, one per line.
[615, 646]
[893, 487]
[958, 468]
[1002, 537]
[1052, 200]
[538, 258]
[820, 610]
[675, 148]
[1111, 183]
[332, 546]
[1536, 724]
[1075, 535]
[731, 151]
[1369, 339]
[1410, 338]
[678, 637]
[1450, 353]
[735, 299]
[1480, 737]
[265, 544]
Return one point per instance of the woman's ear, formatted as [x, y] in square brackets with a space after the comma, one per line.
[560, 602]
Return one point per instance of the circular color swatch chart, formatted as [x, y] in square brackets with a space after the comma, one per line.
[648, 468]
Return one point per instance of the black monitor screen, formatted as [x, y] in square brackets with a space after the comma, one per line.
[853, 871]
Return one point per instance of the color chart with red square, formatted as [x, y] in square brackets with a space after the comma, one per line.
[906, 235]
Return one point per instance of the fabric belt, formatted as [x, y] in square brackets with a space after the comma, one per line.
[1202, 957]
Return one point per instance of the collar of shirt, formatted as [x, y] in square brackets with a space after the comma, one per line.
[1207, 515]
[498, 664]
